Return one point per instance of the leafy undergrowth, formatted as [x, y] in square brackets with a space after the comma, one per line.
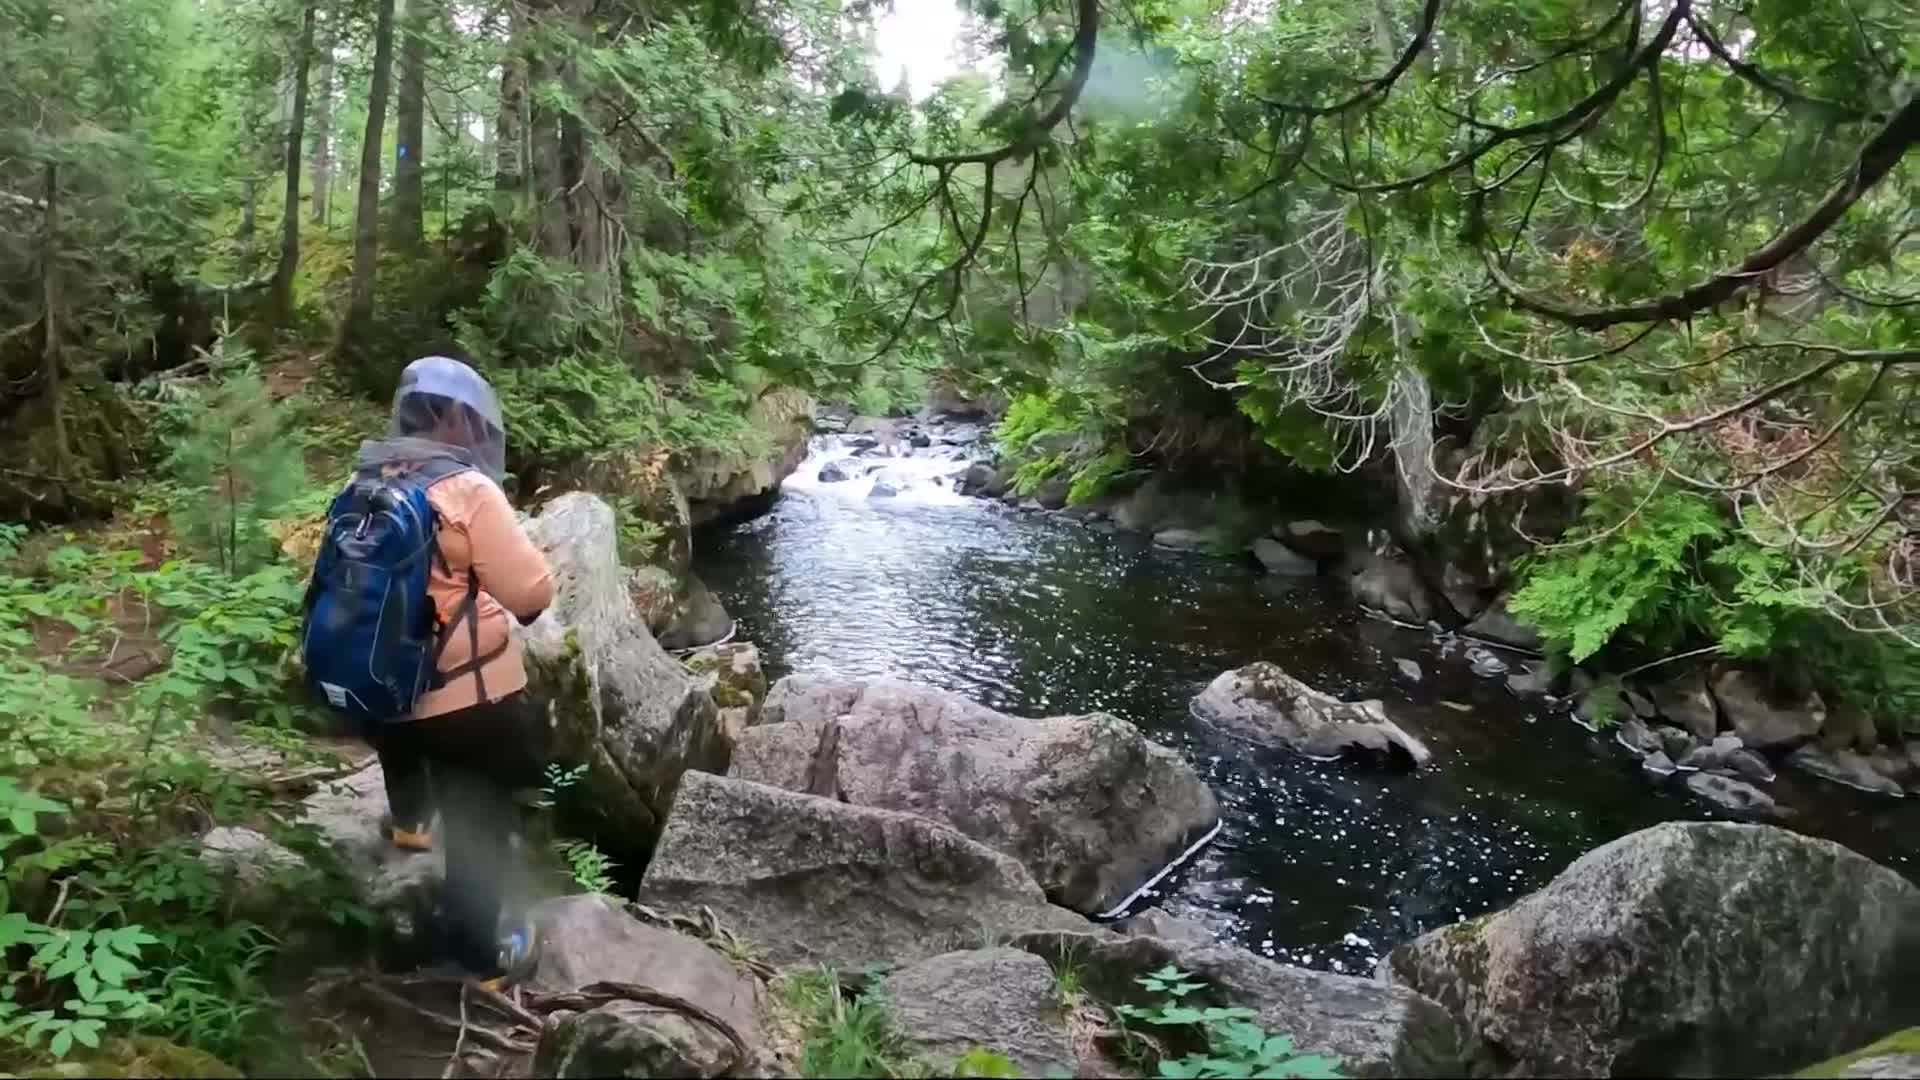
[840, 1033]
[111, 923]
[145, 697]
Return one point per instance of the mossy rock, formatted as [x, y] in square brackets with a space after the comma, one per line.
[142, 1056]
[1898, 1053]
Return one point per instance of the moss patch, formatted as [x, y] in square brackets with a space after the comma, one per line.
[141, 1056]
[1900, 1042]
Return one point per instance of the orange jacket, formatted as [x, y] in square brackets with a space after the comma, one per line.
[478, 531]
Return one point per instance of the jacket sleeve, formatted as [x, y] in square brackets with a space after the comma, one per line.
[510, 568]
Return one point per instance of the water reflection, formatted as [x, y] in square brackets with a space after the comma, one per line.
[1327, 865]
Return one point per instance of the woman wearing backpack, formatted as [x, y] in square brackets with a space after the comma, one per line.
[469, 739]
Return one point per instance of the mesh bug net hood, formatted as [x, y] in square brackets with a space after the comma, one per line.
[443, 408]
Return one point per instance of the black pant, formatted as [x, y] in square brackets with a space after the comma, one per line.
[467, 765]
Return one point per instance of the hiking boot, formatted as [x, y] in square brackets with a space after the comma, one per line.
[420, 839]
[519, 952]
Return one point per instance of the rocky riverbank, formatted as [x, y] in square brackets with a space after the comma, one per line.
[947, 858]
[1721, 731]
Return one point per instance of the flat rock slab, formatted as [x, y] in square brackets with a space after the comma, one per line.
[999, 999]
[1373, 1028]
[813, 881]
[399, 886]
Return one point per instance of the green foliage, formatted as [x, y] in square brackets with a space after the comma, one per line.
[1604, 579]
[1236, 1046]
[981, 1062]
[845, 1036]
[234, 462]
[1092, 478]
[592, 870]
[79, 980]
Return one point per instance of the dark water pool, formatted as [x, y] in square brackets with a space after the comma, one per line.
[1327, 865]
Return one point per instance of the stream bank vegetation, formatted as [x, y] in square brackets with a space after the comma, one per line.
[1655, 257]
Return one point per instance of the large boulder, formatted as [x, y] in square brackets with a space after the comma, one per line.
[1000, 999]
[1264, 705]
[1763, 718]
[614, 700]
[814, 881]
[631, 974]
[1664, 951]
[1091, 807]
[1373, 1028]
[741, 482]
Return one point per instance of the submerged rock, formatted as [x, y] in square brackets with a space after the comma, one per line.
[1733, 795]
[978, 480]
[1661, 952]
[1409, 669]
[614, 700]
[1002, 1000]
[1484, 663]
[1844, 767]
[834, 472]
[1391, 586]
[809, 880]
[881, 489]
[1263, 704]
[1155, 922]
[1088, 804]
[1281, 560]
[1761, 719]
[587, 941]
[1185, 539]
[1316, 539]
[1497, 624]
[1534, 679]
[1373, 1029]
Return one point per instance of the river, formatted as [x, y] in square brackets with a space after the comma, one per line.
[1322, 864]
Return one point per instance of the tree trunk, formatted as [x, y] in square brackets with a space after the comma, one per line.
[323, 134]
[247, 199]
[50, 350]
[357, 324]
[507, 173]
[545, 164]
[282, 301]
[409, 198]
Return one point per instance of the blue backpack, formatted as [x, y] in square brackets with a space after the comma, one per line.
[372, 640]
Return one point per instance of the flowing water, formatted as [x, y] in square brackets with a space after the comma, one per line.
[1322, 864]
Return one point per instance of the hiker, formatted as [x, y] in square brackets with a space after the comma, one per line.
[445, 705]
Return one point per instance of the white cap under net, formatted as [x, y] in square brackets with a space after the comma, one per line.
[445, 401]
